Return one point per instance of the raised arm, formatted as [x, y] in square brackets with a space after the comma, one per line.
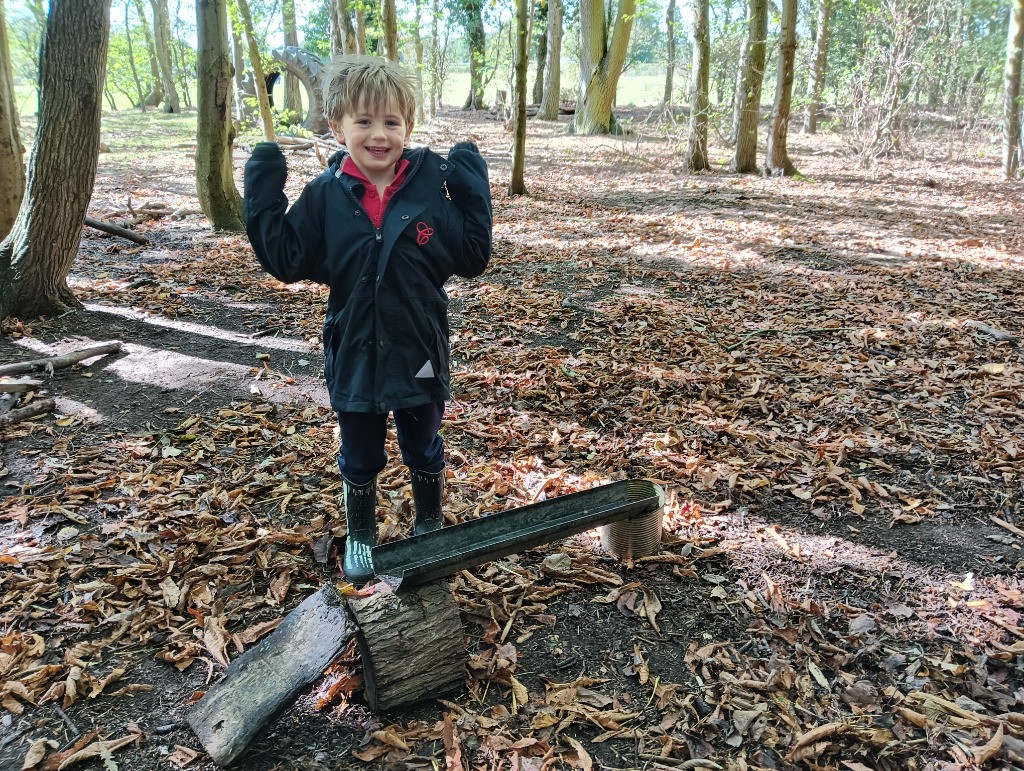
[470, 191]
[287, 242]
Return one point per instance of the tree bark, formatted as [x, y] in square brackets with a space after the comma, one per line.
[266, 117]
[477, 54]
[156, 92]
[389, 24]
[412, 643]
[542, 54]
[517, 185]
[241, 110]
[162, 40]
[12, 165]
[292, 87]
[139, 91]
[777, 162]
[1011, 90]
[36, 256]
[602, 55]
[670, 51]
[343, 34]
[553, 64]
[819, 63]
[435, 58]
[697, 141]
[215, 182]
[360, 30]
[417, 41]
[748, 91]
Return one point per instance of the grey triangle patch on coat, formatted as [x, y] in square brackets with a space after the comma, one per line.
[427, 370]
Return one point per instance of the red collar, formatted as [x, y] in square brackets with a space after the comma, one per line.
[349, 167]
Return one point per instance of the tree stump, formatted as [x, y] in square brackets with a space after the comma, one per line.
[412, 644]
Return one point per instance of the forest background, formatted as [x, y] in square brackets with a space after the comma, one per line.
[795, 307]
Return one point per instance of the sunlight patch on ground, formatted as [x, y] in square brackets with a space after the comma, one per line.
[78, 412]
[279, 343]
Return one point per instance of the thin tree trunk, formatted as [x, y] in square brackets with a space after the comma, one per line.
[601, 64]
[748, 97]
[343, 34]
[162, 41]
[777, 161]
[477, 55]
[141, 94]
[292, 86]
[266, 117]
[1011, 90]
[389, 24]
[670, 70]
[360, 30]
[156, 92]
[517, 185]
[435, 59]
[819, 62]
[553, 64]
[36, 256]
[542, 54]
[697, 142]
[179, 64]
[240, 108]
[215, 182]
[418, 46]
[12, 167]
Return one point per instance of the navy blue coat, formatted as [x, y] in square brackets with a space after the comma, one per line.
[386, 331]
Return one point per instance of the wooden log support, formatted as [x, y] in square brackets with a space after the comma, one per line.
[271, 675]
[412, 643]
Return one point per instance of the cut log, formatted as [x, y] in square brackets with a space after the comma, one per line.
[34, 409]
[59, 362]
[270, 675]
[116, 230]
[412, 644]
[19, 386]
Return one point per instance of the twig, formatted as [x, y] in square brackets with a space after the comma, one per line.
[68, 721]
[814, 331]
[1006, 525]
[998, 334]
[34, 409]
[691, 763]
[116, 230]
[59, 362]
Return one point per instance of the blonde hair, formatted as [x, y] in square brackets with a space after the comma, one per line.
[355, 82]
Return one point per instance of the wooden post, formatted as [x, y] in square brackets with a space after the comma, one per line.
[412, 643]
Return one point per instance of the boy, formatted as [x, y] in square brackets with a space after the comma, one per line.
[384, 227]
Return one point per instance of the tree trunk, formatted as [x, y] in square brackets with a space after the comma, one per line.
[180, 67]
[156, 93]
[139, 92]
[417, 42]
[12, 166]
[748, 96]
[266, 117]
[343, 34]
[542, 54]
[241, 110]
[1011, 90]
[670, 70]
[819, 62]
[389, 26]
[601, 64]
[553, 64]
[697, 142]
[36, 256]
[162, 41]
[777, 160]
[517, 185]
[435, 59]
[215, 182]
[292, 86]
[477, 54]
[360, 30]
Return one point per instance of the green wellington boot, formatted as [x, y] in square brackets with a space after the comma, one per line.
[427, 493]
[361, 521]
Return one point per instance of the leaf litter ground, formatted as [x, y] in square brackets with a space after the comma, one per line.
[822, 372]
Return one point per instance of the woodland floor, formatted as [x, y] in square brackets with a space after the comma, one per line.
[812, 367]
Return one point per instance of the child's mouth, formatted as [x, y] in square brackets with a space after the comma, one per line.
[378, 152]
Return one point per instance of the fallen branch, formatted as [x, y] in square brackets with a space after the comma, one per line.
[19, 386]
[36, 408]
[60, 362]
[816, 331]
[116, 230]
[993, 332]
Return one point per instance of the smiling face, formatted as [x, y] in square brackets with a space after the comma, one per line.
[375, 138]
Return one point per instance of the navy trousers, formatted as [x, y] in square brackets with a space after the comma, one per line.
[362, 454]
